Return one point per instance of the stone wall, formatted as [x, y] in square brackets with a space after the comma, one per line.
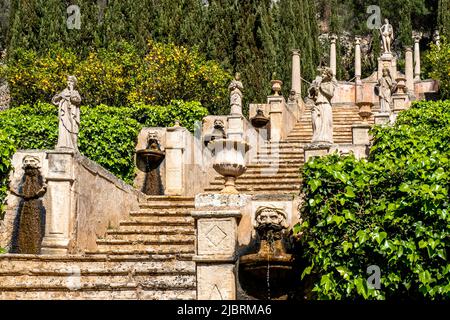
[99, 200]
[102, 202]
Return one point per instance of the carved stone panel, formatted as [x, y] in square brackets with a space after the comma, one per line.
[216, 236]
[216, 282]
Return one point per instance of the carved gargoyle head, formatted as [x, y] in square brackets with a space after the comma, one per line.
[270, 222]
[31, 162]
[153, 141]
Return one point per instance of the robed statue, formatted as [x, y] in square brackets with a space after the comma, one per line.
[68, 102]
[386, 87]
[321, 92]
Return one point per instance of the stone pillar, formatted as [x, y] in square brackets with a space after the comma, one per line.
[333, 39]
[276, 117]
[216, 221]
[417, 37]
[235, 130]
[409, 70]
[61, 211]
[175, 148]
[296, 73]
[358, 60]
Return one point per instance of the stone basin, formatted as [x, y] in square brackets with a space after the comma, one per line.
[149, 159]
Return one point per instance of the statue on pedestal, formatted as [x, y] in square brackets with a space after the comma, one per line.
[321, 92]
[68, 102]
[236, 89]
[387, 36]
[386, 87]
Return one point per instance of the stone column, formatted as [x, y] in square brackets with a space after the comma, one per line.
[175, 148]
[409, 70]
[333, 39]
[276, 117]
[417, 37]
[60, 213]
[358, 60]
[216, 221]
[296, 73]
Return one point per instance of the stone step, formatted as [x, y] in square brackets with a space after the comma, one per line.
[155, 224]
[142, 237]
[164, 220]
[167, 202]
[259, 188]
[290, 175]
[143, 249]
[261, 181]
[30, 264]
[93, 293]
[161, 212]
[132, 248]
[145, 229]
[68, 280]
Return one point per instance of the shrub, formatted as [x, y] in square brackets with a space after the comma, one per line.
[437, 60]
[391, 210]
[119, 76]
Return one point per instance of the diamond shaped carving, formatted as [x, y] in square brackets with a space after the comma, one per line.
[216, 235]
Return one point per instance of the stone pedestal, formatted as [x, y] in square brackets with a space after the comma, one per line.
[360, 134]
[399, 102]
[216, 220]
[175, 147]
[316, 150]
[235, 129]
[276, 117]
[61, 209]
[382, 118]
[387, 60]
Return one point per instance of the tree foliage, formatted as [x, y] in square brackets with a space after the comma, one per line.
[119, 77]
[391, 210]
[437, 61]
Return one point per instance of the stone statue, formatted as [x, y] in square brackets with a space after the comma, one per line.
[386, 87]
[387, 35]
[236, 89]
[68, 102]
[321, 92]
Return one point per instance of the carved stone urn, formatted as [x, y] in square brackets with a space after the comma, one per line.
[229, 161]
[365, 111]
[260, 120]
[276, 87]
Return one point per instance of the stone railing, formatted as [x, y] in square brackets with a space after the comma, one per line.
[81, 202]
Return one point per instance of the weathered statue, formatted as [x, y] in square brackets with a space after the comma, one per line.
[386, 87]
[270, 222]
[29, 227]
[68, 102]
[387, 35]
[321, 92]
[236, 89]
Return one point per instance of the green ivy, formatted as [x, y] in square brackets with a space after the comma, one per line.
[391, 210]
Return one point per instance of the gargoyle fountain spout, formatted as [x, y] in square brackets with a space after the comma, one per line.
[267, 274]
[148, 160]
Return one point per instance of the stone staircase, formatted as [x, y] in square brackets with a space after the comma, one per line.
[149, 256]
[276, 169]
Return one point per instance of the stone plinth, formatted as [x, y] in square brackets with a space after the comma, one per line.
[276, 117]
[216, 221]
[235, 127]
[387, 60]
[400, 102]
[59, 219]
[382, 118]
[316, 150]
[175, 148]
[360, 133]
